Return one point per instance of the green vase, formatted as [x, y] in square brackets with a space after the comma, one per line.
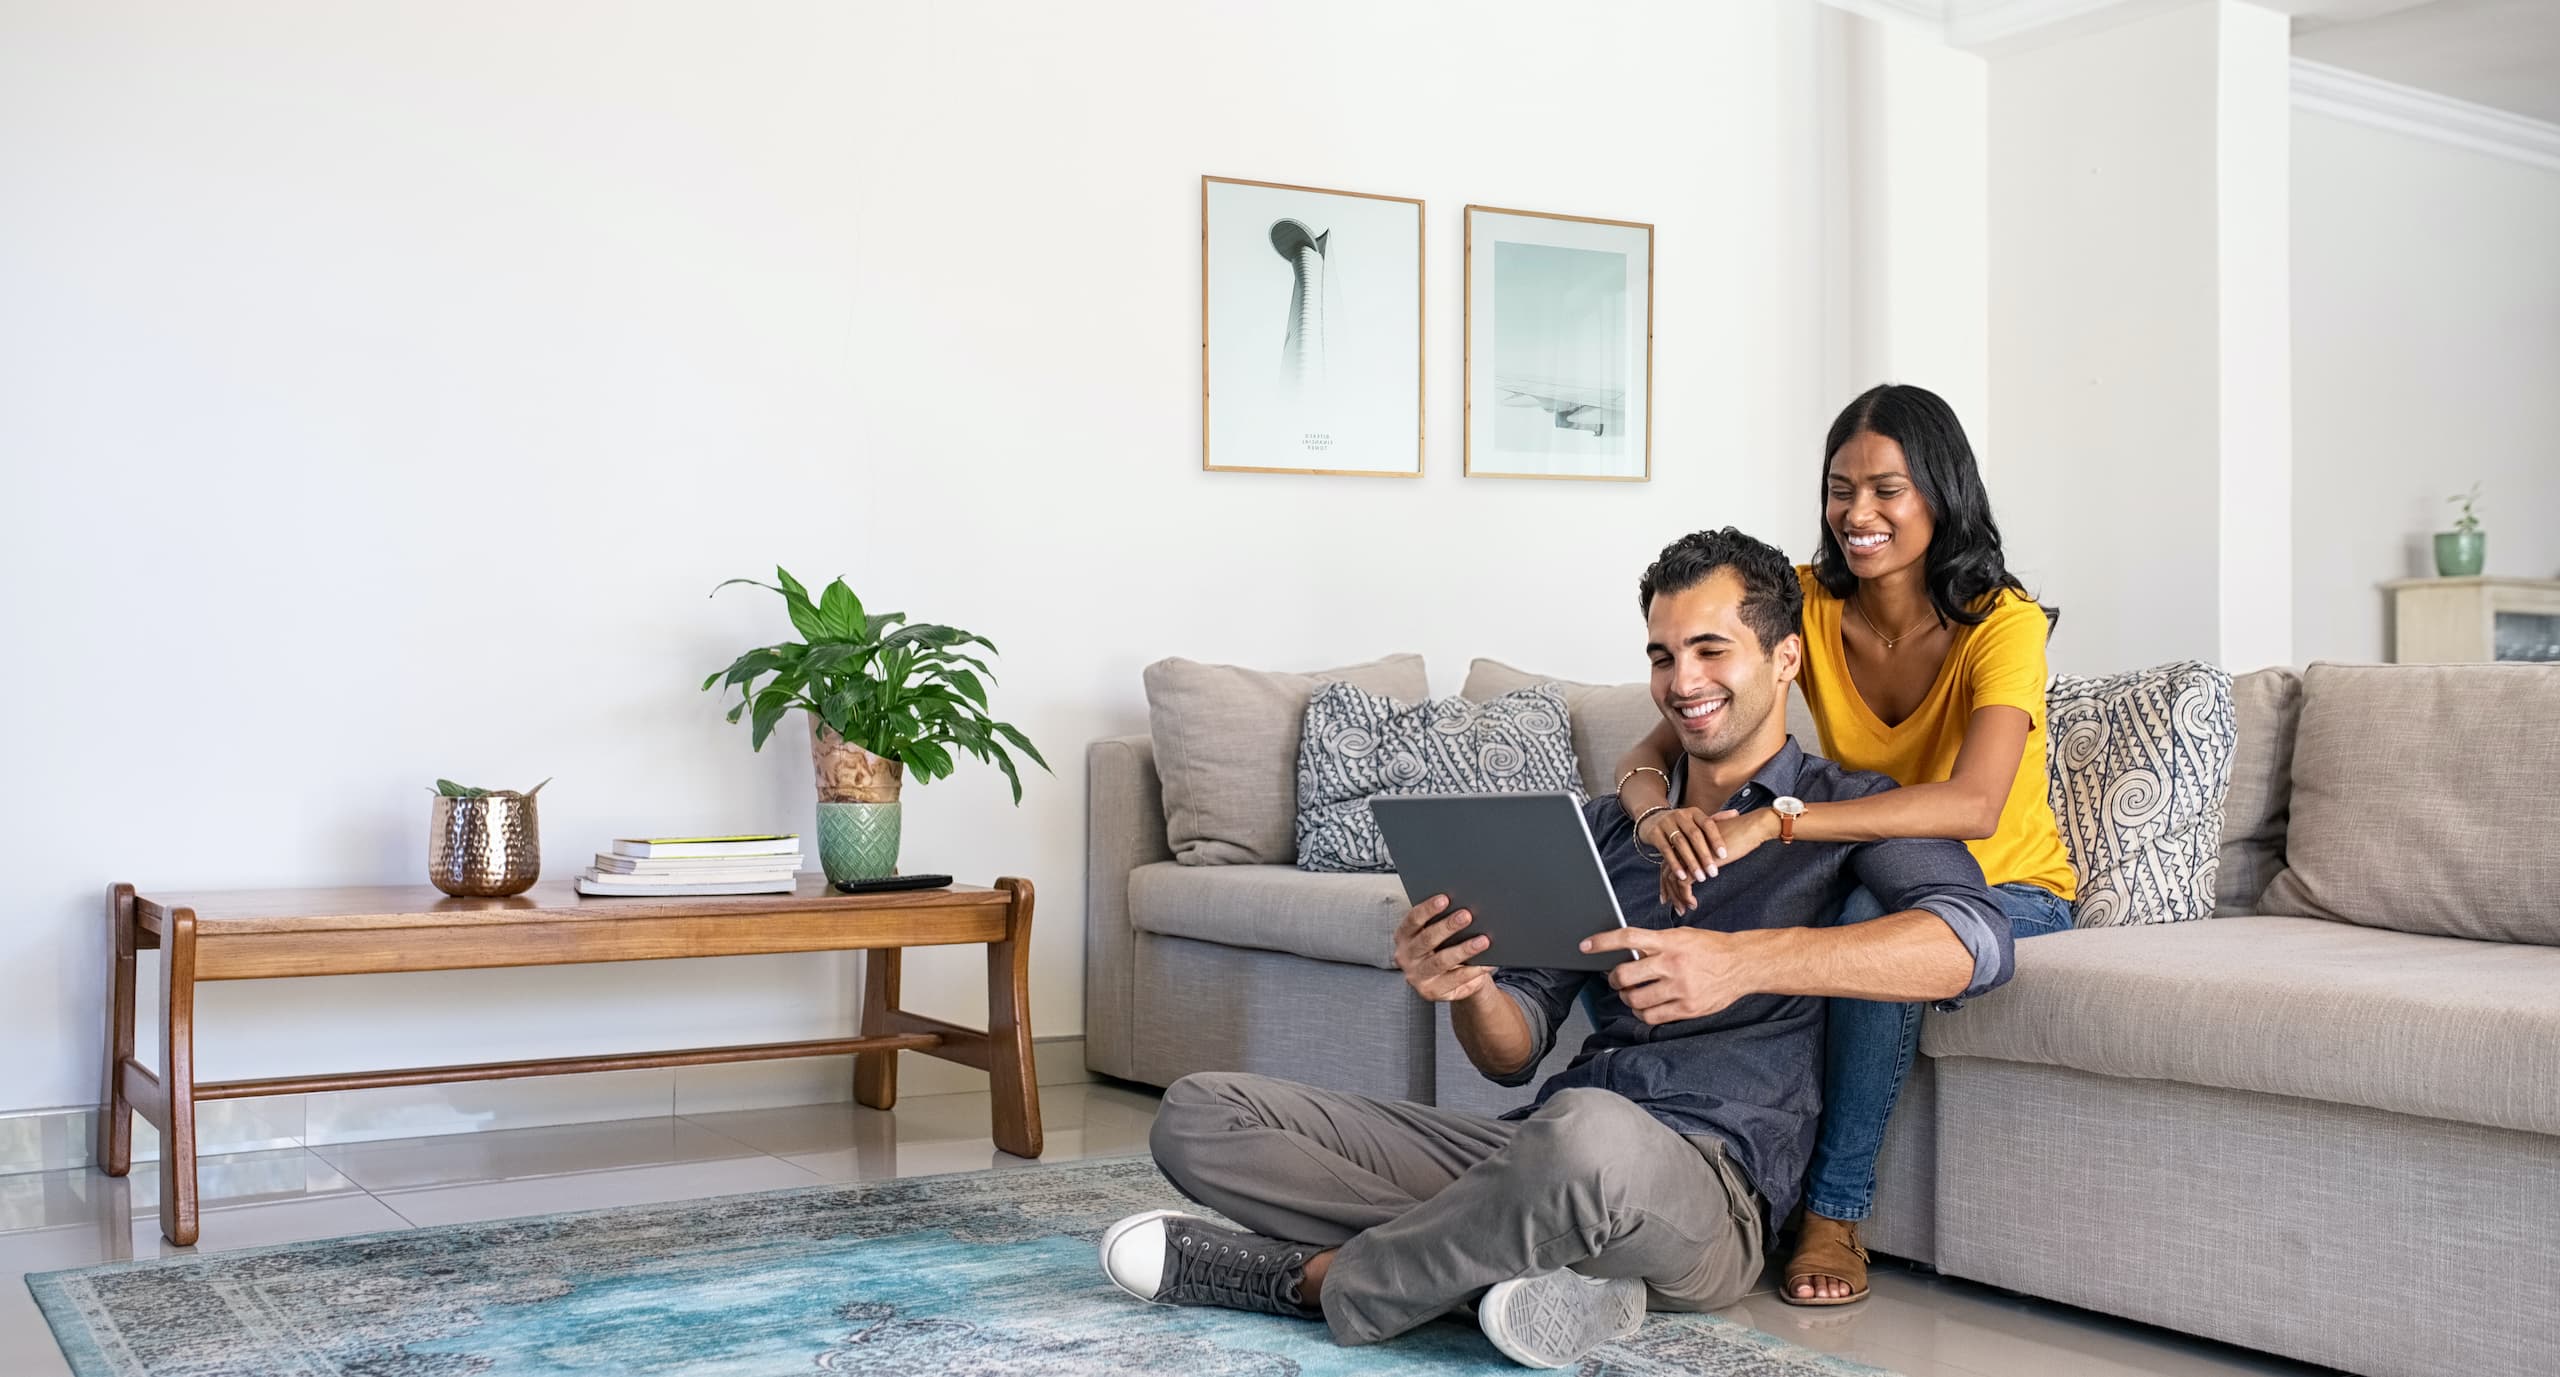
[2458, 553]
[858, 841]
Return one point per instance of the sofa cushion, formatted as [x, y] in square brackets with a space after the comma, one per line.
[2140, 764]
[2427, 798]
[1608, 719]
[1345, 918]
[2265, 706]
[1358, 745]
[2432, 1026]
[1226, 744]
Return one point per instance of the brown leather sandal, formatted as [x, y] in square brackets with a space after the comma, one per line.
[1826, 1248]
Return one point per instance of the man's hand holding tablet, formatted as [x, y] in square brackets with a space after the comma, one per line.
[1678, 973]
[1433, 963]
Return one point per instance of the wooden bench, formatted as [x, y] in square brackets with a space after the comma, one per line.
[273, 934]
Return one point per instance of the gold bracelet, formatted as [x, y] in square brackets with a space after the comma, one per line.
[1635, 833]
[1645, 770]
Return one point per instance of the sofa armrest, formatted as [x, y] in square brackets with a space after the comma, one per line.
[1124, 829]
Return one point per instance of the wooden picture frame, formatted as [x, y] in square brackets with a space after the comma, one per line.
[1303, 313]
[1569, 351]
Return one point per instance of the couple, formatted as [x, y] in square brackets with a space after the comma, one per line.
[1768, 893]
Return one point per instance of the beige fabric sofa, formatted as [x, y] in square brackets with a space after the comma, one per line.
[2325, 1123]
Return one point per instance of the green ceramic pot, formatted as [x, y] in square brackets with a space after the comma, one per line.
[858, 841]
[2458, 553]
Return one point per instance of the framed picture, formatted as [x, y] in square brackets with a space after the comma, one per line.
[1559, 367]
[1310, 330]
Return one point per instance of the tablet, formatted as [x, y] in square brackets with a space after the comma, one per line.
[1523, 864]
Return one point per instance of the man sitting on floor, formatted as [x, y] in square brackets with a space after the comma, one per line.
[1649, 1172]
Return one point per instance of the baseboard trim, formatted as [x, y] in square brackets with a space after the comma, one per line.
[65, 1139]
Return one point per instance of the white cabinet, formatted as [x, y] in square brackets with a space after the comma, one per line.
[2440, 621]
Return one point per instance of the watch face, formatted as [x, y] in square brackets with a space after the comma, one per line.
[1789, 807]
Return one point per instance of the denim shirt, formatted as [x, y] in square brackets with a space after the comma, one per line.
[1750, 1075]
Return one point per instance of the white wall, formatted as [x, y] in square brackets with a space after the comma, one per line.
[1918, 259]
[2138, 346]
[382, 388]
[2426, 313]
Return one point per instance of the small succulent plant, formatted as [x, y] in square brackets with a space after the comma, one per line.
[446, 788]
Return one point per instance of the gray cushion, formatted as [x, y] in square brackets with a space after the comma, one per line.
[1345, 918]
[1608, 719]
[2265, 707]
[1226, 744]
[2286, 1006]
[2427, 798]
[2140, 764]
[1358, 745]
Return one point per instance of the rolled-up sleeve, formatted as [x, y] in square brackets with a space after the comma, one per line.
[1941, 877]
[1546, 999]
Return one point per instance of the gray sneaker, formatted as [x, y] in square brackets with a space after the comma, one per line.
[1553, 1318]
[1172, 1258]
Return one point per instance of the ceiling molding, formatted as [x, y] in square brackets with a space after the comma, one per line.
[1993, 27]
[1988, 23]
[2341, 94]
[1921, 16]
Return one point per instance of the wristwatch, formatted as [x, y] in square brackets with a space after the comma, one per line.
[1788, 810]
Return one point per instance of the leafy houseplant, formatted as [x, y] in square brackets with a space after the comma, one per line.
[2459, 551]
[884, 697]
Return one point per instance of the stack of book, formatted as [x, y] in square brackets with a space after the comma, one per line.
[694, 865]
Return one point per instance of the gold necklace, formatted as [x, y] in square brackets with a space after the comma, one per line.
[1889, 641]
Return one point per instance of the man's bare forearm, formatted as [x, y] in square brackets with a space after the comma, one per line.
[1904, 958]
[1493, 1031]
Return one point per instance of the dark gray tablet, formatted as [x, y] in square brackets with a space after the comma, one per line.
[1523, 864]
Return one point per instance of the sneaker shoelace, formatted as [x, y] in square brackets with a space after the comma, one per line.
[1238, 1271]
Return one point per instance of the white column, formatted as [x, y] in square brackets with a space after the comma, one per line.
[2254, 194]
[2139, 355]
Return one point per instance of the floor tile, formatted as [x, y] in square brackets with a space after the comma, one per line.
[1993, 1332]
[517, 1153]
[1915, 1320]
[85, 1195]
[229, 1126]
[805, 1128]
[882, 1161]
[595, 1190]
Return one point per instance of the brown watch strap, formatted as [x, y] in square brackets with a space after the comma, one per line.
[1787, 829]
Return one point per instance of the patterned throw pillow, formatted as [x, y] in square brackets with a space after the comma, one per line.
[1357, 745]
[2141, 764]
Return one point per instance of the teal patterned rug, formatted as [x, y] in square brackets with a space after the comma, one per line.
[987, 1274]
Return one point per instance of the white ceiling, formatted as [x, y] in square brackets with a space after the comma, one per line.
[2500, 53]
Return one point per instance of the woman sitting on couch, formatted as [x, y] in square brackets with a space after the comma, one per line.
[1924, 661]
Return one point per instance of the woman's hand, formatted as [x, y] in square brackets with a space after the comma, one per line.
[1696, 845]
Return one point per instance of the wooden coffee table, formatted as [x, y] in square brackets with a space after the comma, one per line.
[280, 933]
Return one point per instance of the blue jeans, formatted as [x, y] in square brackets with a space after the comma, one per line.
[1867, 1056]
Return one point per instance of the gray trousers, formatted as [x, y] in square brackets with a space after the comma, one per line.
[1431, 1206]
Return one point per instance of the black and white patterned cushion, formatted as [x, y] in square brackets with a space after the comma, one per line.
[1357, 745]
[2141, 765]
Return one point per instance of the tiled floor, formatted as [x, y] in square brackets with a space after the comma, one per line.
[1919, 1325]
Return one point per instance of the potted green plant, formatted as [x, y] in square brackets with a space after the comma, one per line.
[2460, 550]
[483, 843]
[884, 698]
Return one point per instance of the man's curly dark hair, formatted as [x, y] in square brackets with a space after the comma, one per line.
[1772, 597]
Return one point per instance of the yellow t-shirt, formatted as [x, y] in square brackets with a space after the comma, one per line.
[1999, 663]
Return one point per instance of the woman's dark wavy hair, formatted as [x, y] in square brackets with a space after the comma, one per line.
[1966, 566]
